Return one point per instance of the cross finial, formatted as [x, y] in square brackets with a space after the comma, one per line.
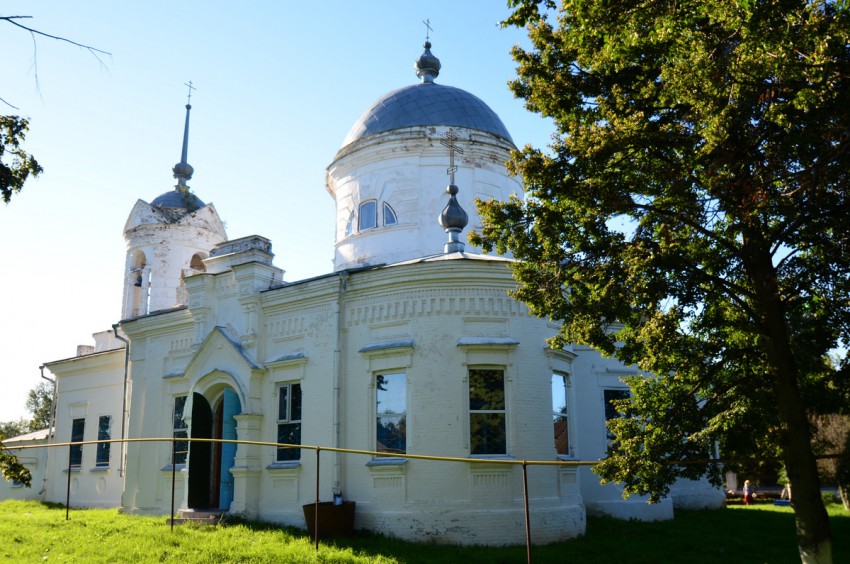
[189, 84]
[450, 142]
[428, 28]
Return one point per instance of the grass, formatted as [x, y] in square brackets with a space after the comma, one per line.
[32, 532]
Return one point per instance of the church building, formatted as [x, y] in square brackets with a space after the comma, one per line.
[411, 346]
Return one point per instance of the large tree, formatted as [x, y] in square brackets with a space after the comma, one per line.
[40, 405]
[690, 217]
[16, 165]
[20, 165]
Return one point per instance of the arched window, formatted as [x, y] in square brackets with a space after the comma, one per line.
[368, 215]
[389, 215]
[138, 285]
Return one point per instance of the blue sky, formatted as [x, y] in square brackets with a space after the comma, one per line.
[279, 84]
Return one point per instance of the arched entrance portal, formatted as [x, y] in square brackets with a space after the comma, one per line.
[210, 480]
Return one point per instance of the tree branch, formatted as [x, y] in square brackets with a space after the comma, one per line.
[89, 48]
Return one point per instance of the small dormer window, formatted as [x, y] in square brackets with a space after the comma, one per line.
[368, 215]
[389, 215]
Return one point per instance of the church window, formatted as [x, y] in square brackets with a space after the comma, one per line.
[78, 428]
[103, 434]
[368, 215]
[560, 413]
[487, 413]
[391, 412]
[610, 396]
[180, 431]
[389, 215]
[289, 421]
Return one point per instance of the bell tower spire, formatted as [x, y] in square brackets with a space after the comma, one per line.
[183, 170]
[167, 240]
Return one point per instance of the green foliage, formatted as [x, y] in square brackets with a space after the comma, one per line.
[689, 218]
[10, 429]
[12, 470]
[15, 172]
[40, 405]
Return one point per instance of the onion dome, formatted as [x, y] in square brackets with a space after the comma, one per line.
[427, 65]
[453, 219]
[180, 201]
[427, 104]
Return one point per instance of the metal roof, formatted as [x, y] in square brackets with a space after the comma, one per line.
[427, 104]
[178, 199]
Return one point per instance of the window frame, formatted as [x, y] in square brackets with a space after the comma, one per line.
[75, 453]
[179, 430]
[289, 454]
[103, 449]
[502, 413]
[373, 215]
[385, 207]
[400, 415]
[566, 412]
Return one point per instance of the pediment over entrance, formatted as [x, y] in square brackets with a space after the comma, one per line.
[221, 360]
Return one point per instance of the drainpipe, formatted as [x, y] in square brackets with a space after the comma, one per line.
[52, 422]
[51, 425]
[124, 398]
[337, 379]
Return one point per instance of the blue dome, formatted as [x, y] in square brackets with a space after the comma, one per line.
[178, 199]
[425, 104]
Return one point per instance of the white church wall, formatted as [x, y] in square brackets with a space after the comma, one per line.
[415, 318]
[697, 494]
[157, 363]
[412, 318]
[407, 170]
[90, 391]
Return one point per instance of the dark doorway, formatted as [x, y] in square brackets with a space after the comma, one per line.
[211, 484]
[200, 454]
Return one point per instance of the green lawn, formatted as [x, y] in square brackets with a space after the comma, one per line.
[33, 532]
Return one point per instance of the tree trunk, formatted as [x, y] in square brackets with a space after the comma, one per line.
[814, 539]
[844, 494]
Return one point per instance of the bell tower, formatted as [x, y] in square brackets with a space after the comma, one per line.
[167, 240]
